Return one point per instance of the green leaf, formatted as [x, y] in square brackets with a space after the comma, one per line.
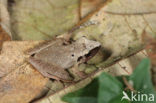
[102, 89]
[118, 100]
[87, 94]
[141, 79]
[109, 88]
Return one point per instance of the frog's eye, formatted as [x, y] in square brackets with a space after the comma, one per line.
[72, 55]
[64, 43]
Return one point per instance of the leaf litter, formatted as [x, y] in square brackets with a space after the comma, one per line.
[113, 20]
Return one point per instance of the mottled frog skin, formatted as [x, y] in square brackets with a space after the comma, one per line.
[52, 58]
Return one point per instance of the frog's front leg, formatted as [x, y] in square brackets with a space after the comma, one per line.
[76, 70]
[79, 73]
[66, 36]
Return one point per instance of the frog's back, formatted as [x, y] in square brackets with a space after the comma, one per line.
[58, 53]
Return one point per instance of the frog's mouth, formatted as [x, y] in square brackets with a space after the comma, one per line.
[90, 55]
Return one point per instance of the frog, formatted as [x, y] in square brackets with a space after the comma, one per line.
[53, 58]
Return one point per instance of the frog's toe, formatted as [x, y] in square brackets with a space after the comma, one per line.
[82, 74]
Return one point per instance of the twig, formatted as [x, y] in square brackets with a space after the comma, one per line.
[137, 13]
[91, 14]
[129, 86]
[80, 10]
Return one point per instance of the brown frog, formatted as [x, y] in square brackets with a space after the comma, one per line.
[53, 58]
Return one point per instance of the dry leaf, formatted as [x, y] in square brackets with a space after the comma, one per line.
[13, 54]
[20, 82]
[88, 6]
[3, 36]
[5, 18]
[42, 19]
[150, 46]
[118, 28]
[22, 85]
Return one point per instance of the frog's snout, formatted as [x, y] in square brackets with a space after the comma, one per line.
[92, 53]
[89, 44]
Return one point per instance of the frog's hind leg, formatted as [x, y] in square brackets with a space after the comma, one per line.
[50, 70]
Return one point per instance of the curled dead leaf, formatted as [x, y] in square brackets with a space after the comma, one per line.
[3, 36]
[150, 46]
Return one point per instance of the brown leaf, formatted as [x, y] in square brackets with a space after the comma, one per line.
[21, 82]
[13, 54]
[87, 6]
[150, 46]
[3, 36]
[22, 85]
